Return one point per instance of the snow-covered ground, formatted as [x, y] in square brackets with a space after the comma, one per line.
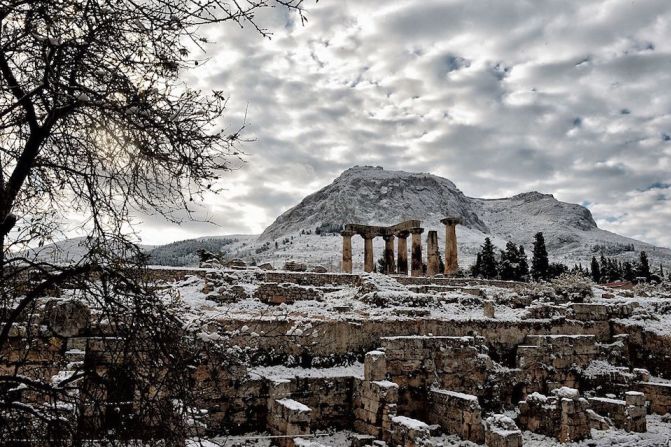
[658, 435]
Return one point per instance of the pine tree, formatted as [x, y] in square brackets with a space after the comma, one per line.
[510, 263]
[628, 272]
[539, 262]
[381, 265]
[661, 271]
[488, 264]
[523, 271]
[441, 264]
[476, 269]
[643, 266]
[596, 270]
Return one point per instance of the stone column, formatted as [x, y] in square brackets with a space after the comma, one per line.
[416, 264]
[346, 266]
[402, 254]
[368, 262]
[389, 261]
[432, 265]
[451, 261]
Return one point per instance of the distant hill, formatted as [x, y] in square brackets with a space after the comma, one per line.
[184, 253]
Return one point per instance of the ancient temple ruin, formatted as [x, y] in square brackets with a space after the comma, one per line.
[396, 262]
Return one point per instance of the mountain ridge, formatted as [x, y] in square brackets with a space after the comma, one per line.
[374, 196]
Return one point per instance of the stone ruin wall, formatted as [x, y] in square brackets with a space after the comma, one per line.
[460, 359]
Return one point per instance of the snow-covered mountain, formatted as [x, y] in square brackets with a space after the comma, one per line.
[372, 195]
[308, 232]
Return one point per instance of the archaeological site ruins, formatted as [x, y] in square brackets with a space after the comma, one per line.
[310, 358]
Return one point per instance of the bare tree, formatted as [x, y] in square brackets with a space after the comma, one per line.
[95, 122]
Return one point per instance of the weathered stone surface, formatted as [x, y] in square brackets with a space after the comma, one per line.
[563, 416]
[501, 431]
[288, 293]
[659, 396]
[457, 413]
[628, 414]
[66, 318]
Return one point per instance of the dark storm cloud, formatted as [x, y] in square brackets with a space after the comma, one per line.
[564, 97]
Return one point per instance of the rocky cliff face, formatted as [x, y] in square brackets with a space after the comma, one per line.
[374, 196]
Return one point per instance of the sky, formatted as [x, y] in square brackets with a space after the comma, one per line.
[565, 97]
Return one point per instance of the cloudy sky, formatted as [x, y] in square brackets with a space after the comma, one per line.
[565, 97]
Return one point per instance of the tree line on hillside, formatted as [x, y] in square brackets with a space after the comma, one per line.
[512, 264]
[605, 270]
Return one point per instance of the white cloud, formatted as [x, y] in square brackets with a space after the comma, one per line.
[501, 97]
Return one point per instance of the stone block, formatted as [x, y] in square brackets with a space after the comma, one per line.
[375, 366]
[501, 431]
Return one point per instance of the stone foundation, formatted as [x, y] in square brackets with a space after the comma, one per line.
[563, 416]
[457, 413]
[628, 414]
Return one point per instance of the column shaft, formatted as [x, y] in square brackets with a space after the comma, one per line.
[451, 261]
[389, 261]
[346, 252]
[432, 267]
[402, 255]
[368, 262]
[416, 263]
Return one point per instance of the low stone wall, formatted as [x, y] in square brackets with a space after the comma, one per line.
[458, 282]
[659, 396]
[428, 288]
[602, 312]
[626, 414]
[457, 414]
[501, 431]
[456, 363]
[311, 278]
[288, 417]
[272, 293]
[374, 403]
[418, 363]
[563, 416]
[649, 349]
[337, 341]
[558, 351]
[407, 432]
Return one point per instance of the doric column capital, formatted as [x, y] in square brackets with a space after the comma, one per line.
[402, 234]
[347, 233]
[388, 237]
[416, 230]
[453, 220]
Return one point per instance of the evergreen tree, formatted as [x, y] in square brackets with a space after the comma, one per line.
[488, 264]
[628, 273]
[441, 264]
[643, 266]
[381, 264]
[555, 269]
[539, 262]
[661, 271]
[523, 271]
[476, 269]
[510, 263]
[603, 263]
[596, 270]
